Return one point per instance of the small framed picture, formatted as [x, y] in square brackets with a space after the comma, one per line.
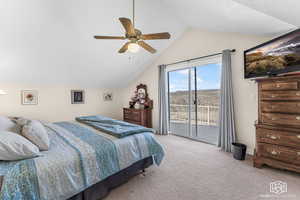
[29, 97]
[77, 96]
[107, 96]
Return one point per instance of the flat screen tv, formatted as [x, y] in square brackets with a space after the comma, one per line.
[276, 57]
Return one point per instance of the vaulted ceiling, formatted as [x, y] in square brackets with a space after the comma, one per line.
[51, 42]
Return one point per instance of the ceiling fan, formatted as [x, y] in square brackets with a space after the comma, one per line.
[135, 36]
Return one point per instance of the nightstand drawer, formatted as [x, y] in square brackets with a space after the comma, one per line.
[290, 85]
[284, 138]
[281, 153]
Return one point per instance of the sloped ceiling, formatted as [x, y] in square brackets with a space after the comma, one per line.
[287, 10]
[229, 16]
[51, 42]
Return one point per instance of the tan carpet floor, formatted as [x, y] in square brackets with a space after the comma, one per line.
[196, 171]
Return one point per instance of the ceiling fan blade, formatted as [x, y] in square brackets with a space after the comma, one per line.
[146, 46]
[110, 37]
[124, 48]
[156, 36]
[127, 24]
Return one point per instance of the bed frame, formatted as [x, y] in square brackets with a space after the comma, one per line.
[102, 189]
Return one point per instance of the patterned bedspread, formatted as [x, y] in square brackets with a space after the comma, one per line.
[78, 158]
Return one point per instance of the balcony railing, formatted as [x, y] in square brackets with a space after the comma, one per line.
[206, 114]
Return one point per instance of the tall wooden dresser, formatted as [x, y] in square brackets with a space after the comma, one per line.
[278, 126]
[141, 117]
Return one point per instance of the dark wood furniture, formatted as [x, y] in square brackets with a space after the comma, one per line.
[141, 117]
[278, 126]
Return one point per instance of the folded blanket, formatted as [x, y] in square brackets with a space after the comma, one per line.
[113, 127]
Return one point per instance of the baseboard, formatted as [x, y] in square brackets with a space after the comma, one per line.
[250, 151]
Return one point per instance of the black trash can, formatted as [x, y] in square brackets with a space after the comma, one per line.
[239, 151]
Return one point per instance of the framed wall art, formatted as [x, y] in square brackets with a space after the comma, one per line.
[107, 96]
[29, 97]
[77, 96]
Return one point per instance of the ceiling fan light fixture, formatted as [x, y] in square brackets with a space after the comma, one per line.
[133, 47]
[136, 37]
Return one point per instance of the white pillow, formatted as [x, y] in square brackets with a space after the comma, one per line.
[7, 124]
[35, 132]
[22, 121]
[16, 147]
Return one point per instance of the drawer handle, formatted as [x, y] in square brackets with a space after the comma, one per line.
[273, 118]
[298, 94]
[298, 118]
[273, 96]
[298, 153]
[298, 136]
[273, 137]
[278, 86]
[275, 153]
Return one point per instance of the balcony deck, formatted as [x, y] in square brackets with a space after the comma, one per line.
[206, 133]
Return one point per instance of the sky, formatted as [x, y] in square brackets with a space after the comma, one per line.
[208, 77]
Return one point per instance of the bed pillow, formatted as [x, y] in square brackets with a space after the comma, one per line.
[7, 124]
[22, 121]
[35, 132]
[15, 147]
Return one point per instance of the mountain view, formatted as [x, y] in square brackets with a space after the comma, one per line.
[204, 97]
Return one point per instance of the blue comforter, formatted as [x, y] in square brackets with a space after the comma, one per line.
[114, 127]
[78, 158]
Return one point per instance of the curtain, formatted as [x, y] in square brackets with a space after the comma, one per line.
[163, 101]
[227, 133]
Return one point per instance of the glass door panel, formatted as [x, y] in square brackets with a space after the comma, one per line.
[179, 106]
[208, 98]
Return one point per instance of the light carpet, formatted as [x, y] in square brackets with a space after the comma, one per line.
[197, 171]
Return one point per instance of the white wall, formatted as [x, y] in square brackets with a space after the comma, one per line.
[55, 103]
[196, 43]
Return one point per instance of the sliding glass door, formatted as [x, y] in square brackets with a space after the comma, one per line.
[194, 95]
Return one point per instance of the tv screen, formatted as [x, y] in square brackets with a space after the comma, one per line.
[278, 56]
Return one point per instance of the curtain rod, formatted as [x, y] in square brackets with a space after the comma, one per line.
[215, 54]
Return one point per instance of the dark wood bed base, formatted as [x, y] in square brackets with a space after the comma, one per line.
[102, 189]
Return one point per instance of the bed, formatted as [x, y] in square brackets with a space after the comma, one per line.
[82, 163]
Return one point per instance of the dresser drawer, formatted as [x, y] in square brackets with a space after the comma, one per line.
[280, 95]
[290, 85]
[281, 153]
[129, 111]
[284, 138]
[281, 107]
[134, 116]
[132, 122]
[280, 119]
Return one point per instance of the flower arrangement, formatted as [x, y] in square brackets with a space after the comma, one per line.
[140, 98]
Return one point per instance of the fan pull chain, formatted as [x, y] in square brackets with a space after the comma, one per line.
[133, 16]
